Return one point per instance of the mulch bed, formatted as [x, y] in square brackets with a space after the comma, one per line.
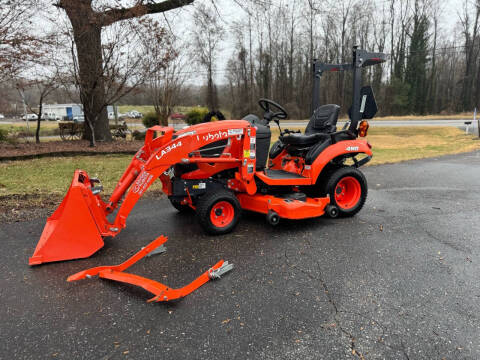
[27, 207]
[15, 208]
[24, 151]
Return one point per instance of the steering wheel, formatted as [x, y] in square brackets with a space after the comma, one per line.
[269, 115]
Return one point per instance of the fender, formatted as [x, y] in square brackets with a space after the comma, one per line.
[333, 151]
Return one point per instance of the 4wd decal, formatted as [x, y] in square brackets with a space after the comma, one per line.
[352, 148]
[168, 149]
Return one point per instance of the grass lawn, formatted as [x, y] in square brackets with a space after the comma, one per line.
[49, 177]
[46, 128]
[403, 143]
[122, 109]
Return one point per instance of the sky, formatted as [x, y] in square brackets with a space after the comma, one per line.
[180, 21]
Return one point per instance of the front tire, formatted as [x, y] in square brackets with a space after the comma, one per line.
[348, 190]
[218, 212]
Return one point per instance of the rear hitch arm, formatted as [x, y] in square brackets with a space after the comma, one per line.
[162, 292]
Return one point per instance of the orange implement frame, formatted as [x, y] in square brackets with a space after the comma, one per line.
[285, 208]
[162, 292]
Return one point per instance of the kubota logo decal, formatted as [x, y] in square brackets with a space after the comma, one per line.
[142, 182]
[352, 148]
[215, 136]
[168, 149]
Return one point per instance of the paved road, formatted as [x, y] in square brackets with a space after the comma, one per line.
[303, 123]
[398, 281]
[380, 123]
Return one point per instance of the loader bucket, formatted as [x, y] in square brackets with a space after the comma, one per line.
[72, 231]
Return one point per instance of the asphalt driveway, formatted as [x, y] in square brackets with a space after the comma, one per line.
[398, 281]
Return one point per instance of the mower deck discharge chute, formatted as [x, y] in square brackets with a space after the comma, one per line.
[220, 168]
[162, 292]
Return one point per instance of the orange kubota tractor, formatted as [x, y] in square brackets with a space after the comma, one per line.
[220, 168]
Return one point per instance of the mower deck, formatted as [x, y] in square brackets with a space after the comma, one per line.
[287, 208]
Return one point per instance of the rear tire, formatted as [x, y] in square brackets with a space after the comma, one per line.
[218, 212]
[348, 190]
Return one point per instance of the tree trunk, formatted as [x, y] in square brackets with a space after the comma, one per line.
[39, 119]
[87, 35]
[251, 100]
[210, 101]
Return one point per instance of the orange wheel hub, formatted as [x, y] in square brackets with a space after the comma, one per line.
[348, 193]
[222, 214]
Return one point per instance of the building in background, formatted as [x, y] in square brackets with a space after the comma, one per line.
[66, 111]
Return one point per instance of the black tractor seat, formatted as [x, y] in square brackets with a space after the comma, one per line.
[302, 140]
[312, 153]
[321, 132]
[322, 123]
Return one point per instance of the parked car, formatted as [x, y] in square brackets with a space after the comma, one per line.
[111, 116]
[79, 118]
[134, 114]
[2, 116]
[30, 117]
[51, 116]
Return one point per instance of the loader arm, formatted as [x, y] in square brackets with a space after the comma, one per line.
[76, 229]
[178, 150]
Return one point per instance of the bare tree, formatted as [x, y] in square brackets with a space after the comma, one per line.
[40, 87]
[17, 42]
[88, 18]
[207, 35]
[470, 32]
[166, 84]
[125, 67]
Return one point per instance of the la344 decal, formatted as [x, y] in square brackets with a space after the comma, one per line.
[168, 149]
